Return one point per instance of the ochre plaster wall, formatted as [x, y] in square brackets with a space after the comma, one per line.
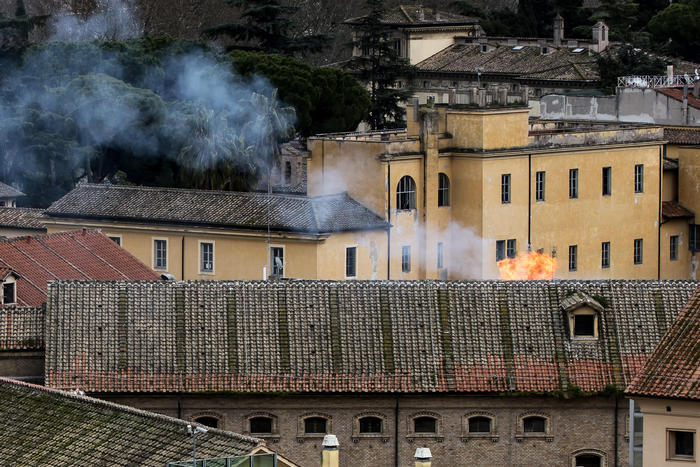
[658, 419]
[493, 129]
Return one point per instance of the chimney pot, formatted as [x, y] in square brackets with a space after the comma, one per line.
[423, 454]
[330, 442]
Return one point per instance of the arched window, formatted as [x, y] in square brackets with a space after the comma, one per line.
[261, 425]
[206, 420]
[370, 425]
[588, 460]
[425, 425]
[535, 424]
[406, 194]
[479, 425]
[315, 425]
[443, 190]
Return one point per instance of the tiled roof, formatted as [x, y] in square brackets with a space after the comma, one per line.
[670, 164]
[677, 94]
[682, 135]
[527, 62]
[6, 191]
[410, 15]
[21, 328]
[85, 254]
[289, 213]
[354, 336]
[673, 369]
[672, 210]
[42, 426]
[22, 218]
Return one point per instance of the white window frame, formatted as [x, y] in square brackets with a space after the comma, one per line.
[406, 249]
[605, 255]
[345, 265]
[539, 185]
[213, 257]
[573, 183]
[639, 178]
[640, 250]
[153, 253]
[673, 242]
[284, 260]
[113, 236]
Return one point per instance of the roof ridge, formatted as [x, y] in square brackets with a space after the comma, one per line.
[181, 190]
[121, 408]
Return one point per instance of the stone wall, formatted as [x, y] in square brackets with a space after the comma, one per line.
[575, 426]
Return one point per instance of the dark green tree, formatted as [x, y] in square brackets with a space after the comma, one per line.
[677, 29]
[380, 66]
[619, 15]
[267, 27]
[626, 61]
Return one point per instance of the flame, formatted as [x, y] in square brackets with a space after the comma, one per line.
[528, 266]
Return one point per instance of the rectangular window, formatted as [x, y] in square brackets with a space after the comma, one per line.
[505, 188]
[607, 181]
[8, 293]
[351, 261]
[681, 444]
[117, 240]
[674, 248]
[694, 237]
[573, 257]
[637, 251]
[605, 255]
[500, 250]
[287, 172]
[539, 186]
[440, 263]
[406, 259]
[206, 252]
[277, 257]
[639, 178]
[510, 248]
[573, 183]
[160, 254]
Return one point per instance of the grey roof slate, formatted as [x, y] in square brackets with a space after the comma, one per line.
[242, 210]
[354, 336]
[43, 426]
[6, 191]
[22, 218]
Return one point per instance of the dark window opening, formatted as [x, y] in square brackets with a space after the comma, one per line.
[638, 250]
[510, 248]
[425, 425]
[639, 178]
[573, 183]
[682, 443]
[573, 257]
[443, 190]
[315, 425]
[694, 238]
[500, 250]
[116, 240]
[261, 425]
[534, 424]
[406, 194]
[8, 293]
[351, 261]
[673, 248]
[539, 186]
[607, 181]
[505, 188]
[588, 460]
[584, 325]
[287, 172]
[370, 425]
[212, 422]
[605, 255]
[479, 425]
[160, 254]
[277, 254]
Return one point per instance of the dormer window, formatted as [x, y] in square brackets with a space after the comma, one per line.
[484, 48]
[583, 313]
[545, 50]
[9, 293]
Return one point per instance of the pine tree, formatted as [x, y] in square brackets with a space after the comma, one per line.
[14, 32]
[381, 66]
[267, 26]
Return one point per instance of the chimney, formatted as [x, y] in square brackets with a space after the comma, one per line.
[421, 13]
[558, 30]
[696, 89]
[669, 74]
[453, 96]
[503, 95]
[423, 457]
[330, 453]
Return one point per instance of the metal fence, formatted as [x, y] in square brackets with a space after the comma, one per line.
[657, 81]
[256, 460]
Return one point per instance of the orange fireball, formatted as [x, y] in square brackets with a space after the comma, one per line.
[527, 266]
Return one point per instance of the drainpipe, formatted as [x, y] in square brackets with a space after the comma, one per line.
[388, 218]
[616, 428]
[658, 230]
[529, 201]
[179, 407]
[396, 432]
[182, 258]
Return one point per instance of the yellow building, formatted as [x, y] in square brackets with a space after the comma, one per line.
[196, 234]
[464, 187]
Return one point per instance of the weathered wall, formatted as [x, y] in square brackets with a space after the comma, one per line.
[24, 364]
[575, 425]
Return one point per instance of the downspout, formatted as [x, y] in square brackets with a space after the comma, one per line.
[396, 432]
[617, 422]
[658, 238]
[182, 258]
[179, 406]
[388, 218]
[529, 201]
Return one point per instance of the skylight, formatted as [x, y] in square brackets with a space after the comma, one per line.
[518, 47]
[578, 50]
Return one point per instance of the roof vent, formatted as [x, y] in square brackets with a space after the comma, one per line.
[519, 47]
[578, 50]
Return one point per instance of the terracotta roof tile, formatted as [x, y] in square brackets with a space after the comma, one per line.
[320, 214]
[48, 427]
[685, 135]
[310, 336]
[670, 164]
[673, 369]
[674, 210]
[21, 328]
[6, 191]
[677, 94]
[67, 255]
[22, 218]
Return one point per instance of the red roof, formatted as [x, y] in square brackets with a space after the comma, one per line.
[673, 210]
[84, 255]
[673, 369]
[677, 93]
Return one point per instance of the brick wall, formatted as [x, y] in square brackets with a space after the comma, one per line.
[575, 425]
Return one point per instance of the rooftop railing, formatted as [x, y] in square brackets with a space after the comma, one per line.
[663, 81]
